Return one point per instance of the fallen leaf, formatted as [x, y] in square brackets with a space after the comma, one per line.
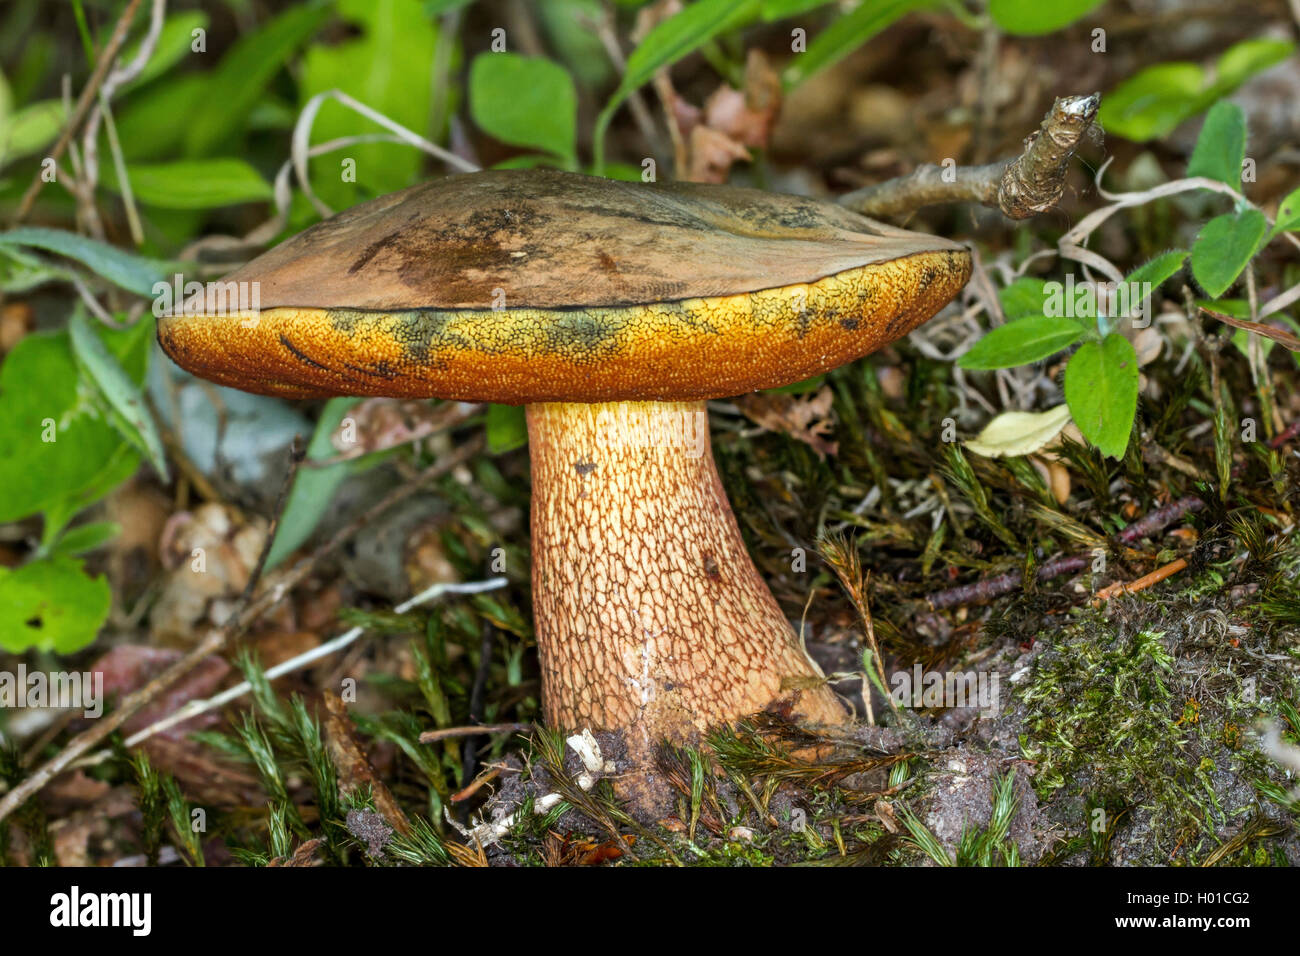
[1281, 336]
[305, 855]
[712, 153]
[17, 319]
[209, 554]
[355, 771]
[1058, 479]
[747, 116]
[708, 141]
[128, 667]
[806, 418]
[380, 423]
[1019, 433]
[1148, 344]
[885, 813]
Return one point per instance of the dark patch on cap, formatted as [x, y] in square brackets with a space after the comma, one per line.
[302, 356]
[373, 250]
[381, 369]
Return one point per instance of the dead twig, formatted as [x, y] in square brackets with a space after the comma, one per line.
[477, 784]
[84, 103]
[469, 759]
[195, 707]
[471, 730]
[986, 589]
[218, 639]
[979, 592]
[1141, 584]
[296, 453]
[1282, 337]
[1019, 188]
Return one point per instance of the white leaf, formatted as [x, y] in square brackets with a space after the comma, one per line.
[1019, 433]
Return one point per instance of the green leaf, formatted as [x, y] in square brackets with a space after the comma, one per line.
[87, 537]
[146, 125]
[51, 605]
[30, 129]
[58, 512]
[1155, 100]
[436, 8]
[684, 32]
[1101, 387]
[313, 488]
[1034, 17]
[22, 270]
[1159, 270]
[194, 183]
[1154, 274]
[1288, 214]
[1224, 247]
[175, 41]
[1022, 341]
[1221, 147]
[1243, 60]
[780, 9]
[507, 428]
[1023, 297]
[133, 273]
[243, 74]
[540, 161]
[669, 41]
[1152, 102]
[124, 397]
[57, 444]
[845, 35]
[574, 45]
[387, 64]
[524, 101]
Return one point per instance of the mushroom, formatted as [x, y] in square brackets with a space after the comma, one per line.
[613, 311]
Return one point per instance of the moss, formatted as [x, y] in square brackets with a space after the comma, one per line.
[1141, 726]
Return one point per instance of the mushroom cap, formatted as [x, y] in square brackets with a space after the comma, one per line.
[523, 286]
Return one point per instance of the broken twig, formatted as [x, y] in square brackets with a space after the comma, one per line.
[218, 638]
[1019, 188]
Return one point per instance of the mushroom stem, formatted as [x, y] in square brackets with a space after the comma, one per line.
[651, 618]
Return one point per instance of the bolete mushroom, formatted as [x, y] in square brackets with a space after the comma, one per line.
[613, 310]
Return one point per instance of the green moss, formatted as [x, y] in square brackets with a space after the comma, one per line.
[1140, 727]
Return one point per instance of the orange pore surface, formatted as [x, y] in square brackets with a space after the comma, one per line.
[691, 349]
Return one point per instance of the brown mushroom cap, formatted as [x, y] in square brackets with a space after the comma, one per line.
[526, 286]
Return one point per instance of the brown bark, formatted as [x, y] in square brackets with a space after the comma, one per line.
[1021, 187]
[651, 618]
